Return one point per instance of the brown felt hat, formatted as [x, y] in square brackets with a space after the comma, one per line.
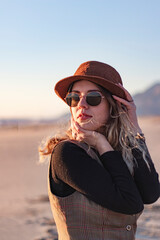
[96, 72]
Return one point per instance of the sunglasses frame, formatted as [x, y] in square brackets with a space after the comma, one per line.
[79, 95]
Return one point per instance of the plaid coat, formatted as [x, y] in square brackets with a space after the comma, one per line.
[78, 218]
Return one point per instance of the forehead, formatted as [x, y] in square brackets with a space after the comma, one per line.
[84, 85]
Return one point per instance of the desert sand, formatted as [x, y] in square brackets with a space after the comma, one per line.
[24, 207]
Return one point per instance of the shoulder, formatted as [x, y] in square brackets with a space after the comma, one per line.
[67, 155]
[66, 148]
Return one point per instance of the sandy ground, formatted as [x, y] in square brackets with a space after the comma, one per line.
[24, 208]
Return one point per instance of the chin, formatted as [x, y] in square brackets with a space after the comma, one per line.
[88, 126]
[91, 127]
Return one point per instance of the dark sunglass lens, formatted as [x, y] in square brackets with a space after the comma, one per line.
[93, 98]
[72, 99]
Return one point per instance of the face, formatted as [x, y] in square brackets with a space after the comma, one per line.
[89, 117]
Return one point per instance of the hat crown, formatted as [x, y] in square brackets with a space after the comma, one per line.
[97, 72]
[99, 69]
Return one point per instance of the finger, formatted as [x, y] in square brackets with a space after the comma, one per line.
[84, 133]
[74, 135]
[74, 129]
[121, 100]
[72, 122]
[77, 127]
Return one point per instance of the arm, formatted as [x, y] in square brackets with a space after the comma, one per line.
[111, 187]
[146, 179]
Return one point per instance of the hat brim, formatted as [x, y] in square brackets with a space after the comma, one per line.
[61, 87]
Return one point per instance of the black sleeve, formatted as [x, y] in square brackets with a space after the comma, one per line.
[111, 186]
[146, 179]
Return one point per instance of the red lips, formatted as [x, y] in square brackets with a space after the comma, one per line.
[84, 116]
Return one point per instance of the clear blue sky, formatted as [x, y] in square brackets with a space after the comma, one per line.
[42, 41]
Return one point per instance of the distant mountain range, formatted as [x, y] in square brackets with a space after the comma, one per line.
[148, 102]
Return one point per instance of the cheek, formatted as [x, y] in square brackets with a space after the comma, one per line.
[102, 118]
[103, 113]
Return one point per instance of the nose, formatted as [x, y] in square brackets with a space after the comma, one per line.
[82, 103]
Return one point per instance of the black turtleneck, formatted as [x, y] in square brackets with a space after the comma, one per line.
[110, 184]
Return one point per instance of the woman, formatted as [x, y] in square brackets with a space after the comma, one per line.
[100, 172]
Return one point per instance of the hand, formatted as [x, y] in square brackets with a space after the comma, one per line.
[130, 107]
[92, 138]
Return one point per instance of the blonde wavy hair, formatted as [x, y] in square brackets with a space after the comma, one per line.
[119, 131]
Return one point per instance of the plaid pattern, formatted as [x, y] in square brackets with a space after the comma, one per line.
[78, 218]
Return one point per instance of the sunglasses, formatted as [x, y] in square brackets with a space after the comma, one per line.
[93, 98]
